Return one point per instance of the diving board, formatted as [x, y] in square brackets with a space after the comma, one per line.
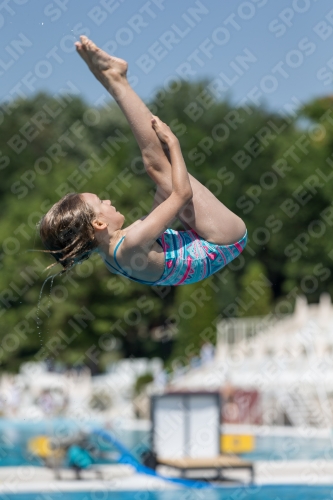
[217, 464]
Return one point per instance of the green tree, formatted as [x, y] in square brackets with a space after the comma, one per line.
[274, 172]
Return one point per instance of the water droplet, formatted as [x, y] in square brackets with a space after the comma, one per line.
[38, 320]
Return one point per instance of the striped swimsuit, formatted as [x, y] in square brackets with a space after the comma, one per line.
[188, 258]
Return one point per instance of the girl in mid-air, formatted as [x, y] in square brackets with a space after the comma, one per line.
[146, 251]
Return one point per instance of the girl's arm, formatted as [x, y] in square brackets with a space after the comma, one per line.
[146, 233]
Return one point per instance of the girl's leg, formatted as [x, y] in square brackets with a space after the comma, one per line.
[111, 72]
[212, 220]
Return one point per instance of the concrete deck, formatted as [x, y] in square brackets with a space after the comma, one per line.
[27, 479]
[124, 478]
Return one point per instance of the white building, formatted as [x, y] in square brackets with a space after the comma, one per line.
[288, 360]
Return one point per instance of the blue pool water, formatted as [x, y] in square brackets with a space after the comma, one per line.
[13, 447]
[14, 439]
[291, 448]
[239, 493]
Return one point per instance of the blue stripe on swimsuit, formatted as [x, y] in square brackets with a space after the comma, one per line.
[188, 258]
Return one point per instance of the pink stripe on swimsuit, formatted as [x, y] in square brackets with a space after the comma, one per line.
[189, 258]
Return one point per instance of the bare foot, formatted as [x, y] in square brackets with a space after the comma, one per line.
[107, 69]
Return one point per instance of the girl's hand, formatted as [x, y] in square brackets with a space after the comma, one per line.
[163, 131]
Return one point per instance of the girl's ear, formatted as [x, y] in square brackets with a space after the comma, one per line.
[99, 225]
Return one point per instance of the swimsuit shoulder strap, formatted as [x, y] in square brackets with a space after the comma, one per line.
[120, 270]
[115, 254]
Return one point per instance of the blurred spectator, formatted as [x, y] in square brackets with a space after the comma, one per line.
[207, 352]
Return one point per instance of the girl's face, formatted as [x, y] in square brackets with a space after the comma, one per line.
[104, 210]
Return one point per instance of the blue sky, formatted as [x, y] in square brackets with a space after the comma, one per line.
[264, 51]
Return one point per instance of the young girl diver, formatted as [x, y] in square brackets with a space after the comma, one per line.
[146, 251]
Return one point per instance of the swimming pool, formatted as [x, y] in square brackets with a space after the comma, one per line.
[239, 493]
[14, 438]
[291, 448]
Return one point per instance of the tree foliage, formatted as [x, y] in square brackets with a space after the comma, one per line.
[275, 172]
